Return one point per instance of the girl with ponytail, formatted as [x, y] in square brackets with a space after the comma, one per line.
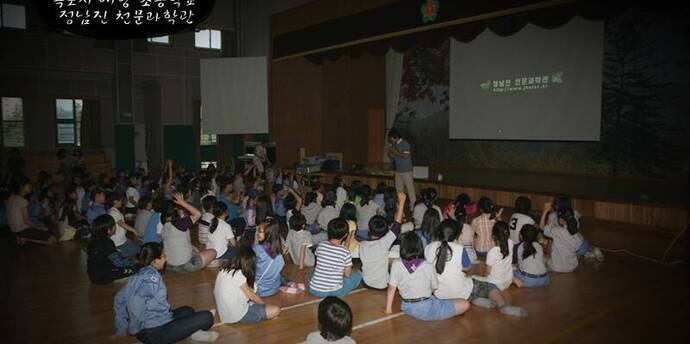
[499, 259]
[483, 225]
[429, 197]
[532, 270]
[221, 238]
[566, 239]
[142, 308]
[450, 260]
[234, 289]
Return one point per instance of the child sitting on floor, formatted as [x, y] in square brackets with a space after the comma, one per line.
[177, 243]
[207, 205]
[142, 308]
[234, 290]
[483, 225]
[104, 264]
[429, 197]
[532, 270]
[221, 237]
[126, 247]
[366, 211]
[417, 280]
[499, 260]
[299, 242]
[451, 264]
[311, 209]
[97, 206]
[333, 275]
[520, 217]
[566, 239]
[145, 206]
[269, 259]
[348, 212]
[374, 252]
[335, 323]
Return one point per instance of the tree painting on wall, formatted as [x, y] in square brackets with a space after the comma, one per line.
[645, 115]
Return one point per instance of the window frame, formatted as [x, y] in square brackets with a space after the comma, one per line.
[170, 40]
[75, 123]
[2, 123]
[210, 39]
[212, 138]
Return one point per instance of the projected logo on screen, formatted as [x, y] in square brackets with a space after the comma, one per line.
[527, 83]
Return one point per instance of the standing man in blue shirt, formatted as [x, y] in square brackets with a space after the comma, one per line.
[399, 151]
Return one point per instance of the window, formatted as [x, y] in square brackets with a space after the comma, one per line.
[12, 122]
[13, 16]
[68, 115]
[209, 39]
[206, 139]
[160, 40]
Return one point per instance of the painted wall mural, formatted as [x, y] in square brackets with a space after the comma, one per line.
[645, 109]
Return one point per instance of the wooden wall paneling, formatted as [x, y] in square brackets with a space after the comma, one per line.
[375, 137]
[296, 109]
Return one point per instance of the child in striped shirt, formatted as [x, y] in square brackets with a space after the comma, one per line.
[333, 275]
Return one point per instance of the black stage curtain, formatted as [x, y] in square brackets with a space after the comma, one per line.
[406, 14]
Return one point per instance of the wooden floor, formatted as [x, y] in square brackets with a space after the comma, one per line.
[46, 297]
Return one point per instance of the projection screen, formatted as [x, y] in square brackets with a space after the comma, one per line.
[538, 84]
[234, 95]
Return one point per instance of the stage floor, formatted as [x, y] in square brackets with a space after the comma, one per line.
[47, 298]
[621, 189]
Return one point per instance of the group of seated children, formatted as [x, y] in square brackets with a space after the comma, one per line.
[239, 230]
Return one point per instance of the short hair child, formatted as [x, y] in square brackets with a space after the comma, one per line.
[520, 218]
[299, 241]
[104, 263]
[333, 275]
[335, 321]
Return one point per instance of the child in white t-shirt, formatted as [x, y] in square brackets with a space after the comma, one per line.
[499, 259]
[340, 192]
[520, 217]
[220, 237]
[566, 239]
[374, 252]
[564, 201]
[207, 204]
[299, 242]
[450, 259]
[126, 247]
[366, 211]
[132, 194]
[236, 301]
[416, 279]
[429, 196]
[530, 255]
